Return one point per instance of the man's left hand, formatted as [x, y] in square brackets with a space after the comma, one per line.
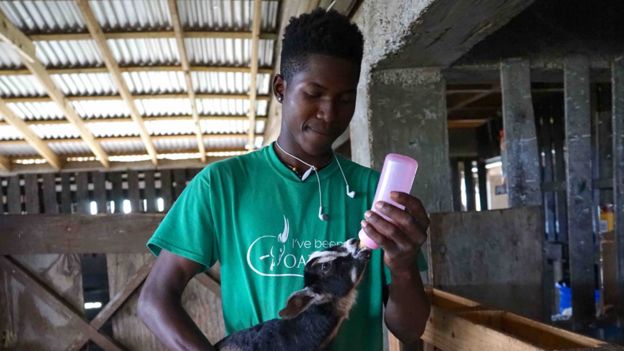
[402, 237]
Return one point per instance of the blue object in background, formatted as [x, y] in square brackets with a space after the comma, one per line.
[565, 297]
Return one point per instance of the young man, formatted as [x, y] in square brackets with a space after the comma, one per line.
[262, 214]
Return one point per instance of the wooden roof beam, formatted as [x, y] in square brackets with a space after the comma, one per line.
[5, 163]
[179, 35]
[29, 135]
[26, 49]
[253, 89]
[113, 67]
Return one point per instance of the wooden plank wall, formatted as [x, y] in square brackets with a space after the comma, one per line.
[26, 321]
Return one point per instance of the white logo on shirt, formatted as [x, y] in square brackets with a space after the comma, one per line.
[271, 255]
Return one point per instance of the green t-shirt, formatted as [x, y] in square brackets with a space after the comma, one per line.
[255, 216]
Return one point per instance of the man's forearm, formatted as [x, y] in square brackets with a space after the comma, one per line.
[407, 309]
[170, 323]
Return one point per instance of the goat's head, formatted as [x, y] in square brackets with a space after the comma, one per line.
[330, 276]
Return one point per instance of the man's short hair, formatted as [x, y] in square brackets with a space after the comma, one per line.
[319, 32]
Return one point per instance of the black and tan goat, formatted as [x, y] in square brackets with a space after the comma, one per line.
[312, 315]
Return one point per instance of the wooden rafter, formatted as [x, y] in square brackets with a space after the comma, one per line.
[134, 68]
[474, 98]
[29, 135]
[139, 96]
[179, 36]
[25, 48]
[149, 35]
[161, 118]
[253, 89]
[5, 163]
[113, 67]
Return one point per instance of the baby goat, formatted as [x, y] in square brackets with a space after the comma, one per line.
[313, 315]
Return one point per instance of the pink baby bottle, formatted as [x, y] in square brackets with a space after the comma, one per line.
[397, 174]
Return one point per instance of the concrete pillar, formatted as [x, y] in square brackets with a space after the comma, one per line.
[408, 116]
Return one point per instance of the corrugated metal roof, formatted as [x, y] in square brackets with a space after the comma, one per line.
[226, 15]
[228, 82]
[72, 147]
[8, 132]
[101, 108]
[155, 82]
[55, 131]
[16, 149]
[163, 107]
[15, 85]
[43, 16]
[145, 52]
[9, 58]
[63, 16]
[104, 128]
[229, 107]
[137, 15]
[221, 52]
[68, 53]
[85, 84]
[36, 110]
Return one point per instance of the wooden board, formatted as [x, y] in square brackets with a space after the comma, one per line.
[494, 257]
[150, 192]
[521, 157]
[578, 157]
[50, 202]
[31, 322]
[166, 189]
[14, 197]
[618, 170]
[31, 193]
[203, 306]
[66, 196]
[23, 234]
[99, 191]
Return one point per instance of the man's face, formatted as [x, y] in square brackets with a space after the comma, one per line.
[318, 103]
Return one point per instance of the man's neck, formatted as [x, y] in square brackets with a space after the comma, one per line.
[293, 149]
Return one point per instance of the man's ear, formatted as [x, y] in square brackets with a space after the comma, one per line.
[298, 302]
[279, 86]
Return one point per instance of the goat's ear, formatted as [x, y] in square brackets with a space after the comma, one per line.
[298, 302]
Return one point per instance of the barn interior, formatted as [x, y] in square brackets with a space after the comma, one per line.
[514, 110]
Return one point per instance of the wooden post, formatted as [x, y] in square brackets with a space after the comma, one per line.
[117, 191]
[99, 191]
[50, 204]
[482, 185]
[618, 169]
[470, 186]
[150, 192]
[165, 188]
[455, 185]
[179, 177]
[579, 188]
[31, 193]
[82, 193]
[134, 192]
[14, 196]
[66, 198]
[521, 162]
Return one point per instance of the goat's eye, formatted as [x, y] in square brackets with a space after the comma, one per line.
[325, 266]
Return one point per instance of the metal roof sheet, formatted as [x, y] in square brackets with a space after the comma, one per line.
[9, 58]
[145, 52]
[101, 108]
[20, 85]
[68, 53]
[85, 84]
[43, 16]
[36, 110]
[115, 15]
[167, 107]
[155, 82]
